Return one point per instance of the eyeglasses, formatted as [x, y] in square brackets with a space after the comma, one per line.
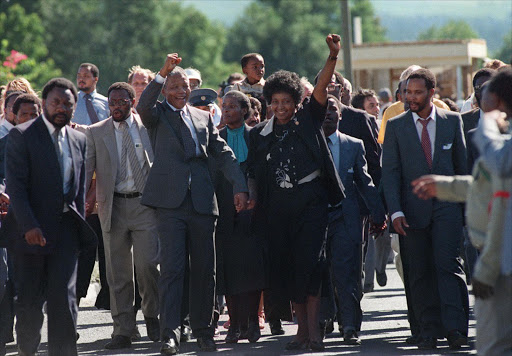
[118, 102]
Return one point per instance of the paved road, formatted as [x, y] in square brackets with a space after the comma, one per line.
[384, 330]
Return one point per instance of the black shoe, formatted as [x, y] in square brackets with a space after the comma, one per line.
[368, 288]
[427, 343]
[296, 345]
[329, 327]
[413, 340]
[322, 330]
[316, 346]
[253, 332]
[153, 328]
[456, 339]
[206, 343]
[276, 328]
[233, 335]
[186, 333]
[169, 347]
[382, 278]
[119, 342]
[350, 337]
[244, 328]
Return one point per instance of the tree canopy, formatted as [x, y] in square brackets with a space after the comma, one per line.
[452, 30]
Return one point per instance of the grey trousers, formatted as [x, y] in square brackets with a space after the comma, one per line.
[132, 239]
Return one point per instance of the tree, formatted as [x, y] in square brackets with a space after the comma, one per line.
[452, 30]
[505, 52]
[372, 29]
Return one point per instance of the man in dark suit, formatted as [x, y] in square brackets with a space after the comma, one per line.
[45, 169]
[428, 140]
[180, 187]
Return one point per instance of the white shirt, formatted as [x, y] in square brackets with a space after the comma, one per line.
[334, 146]
[128, 184]
[5, 127]
[67, 159]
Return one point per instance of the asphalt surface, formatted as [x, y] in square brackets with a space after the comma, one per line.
[384, 331]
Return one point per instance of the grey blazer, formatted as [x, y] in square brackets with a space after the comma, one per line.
[168, 180]
[403, 161]
[102, 158]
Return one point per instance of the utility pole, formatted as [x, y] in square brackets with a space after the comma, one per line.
[347, 39]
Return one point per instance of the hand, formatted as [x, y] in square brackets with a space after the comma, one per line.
[35, 237]
[334, 43]
[482, 290]
[425, 187]
[241, 201]
[251, 203]
[89, 208]
[378, 228]
[399, 224]
[171, 62]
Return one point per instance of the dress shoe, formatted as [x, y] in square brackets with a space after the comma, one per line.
[368, 288]
[297, 345]
[350, 337]
[119, 342]
[153, 328]
[329, 327]
[413, 340]
[186, 333]
[206, 343]
[253, 332]
[169, 347]
[382, 278]
[276, 328]
[316, 346]
[456, 339]
[135, 334]
[233, 335]
[427, 343]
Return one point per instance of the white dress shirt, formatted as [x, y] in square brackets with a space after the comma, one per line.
[334, 146]
[5, 127]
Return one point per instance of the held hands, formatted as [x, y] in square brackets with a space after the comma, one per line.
[171, 62]
[241, 200]
[378, 228]
[334, 43]
[35, 237]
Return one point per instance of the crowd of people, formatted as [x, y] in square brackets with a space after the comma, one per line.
[281, 197]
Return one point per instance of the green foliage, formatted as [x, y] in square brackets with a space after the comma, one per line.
[505, 52]
[452, 30]
[372, 29]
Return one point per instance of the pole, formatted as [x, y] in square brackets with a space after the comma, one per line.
[347, 39]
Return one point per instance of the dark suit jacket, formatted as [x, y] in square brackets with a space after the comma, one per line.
[357, 123]
[168, 180]
[403, 161]
[34, 184]
[470, 121]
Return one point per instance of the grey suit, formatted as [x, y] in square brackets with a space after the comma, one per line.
[126, 224]
[183, 194]
[433, 238]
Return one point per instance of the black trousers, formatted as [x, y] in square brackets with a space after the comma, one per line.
[50, 278]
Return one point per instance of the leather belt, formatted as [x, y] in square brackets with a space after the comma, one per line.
[127, 195]
[310, 177]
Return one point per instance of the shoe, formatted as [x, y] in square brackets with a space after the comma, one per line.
[382, 278]
[227, 324]
[243, 331]
[329, 327]
[261, 320]
[135, 335]
[413, 340]
[368, 288]
[350, 337]
[153, 328]
[297, 345]
[169, 347]
[206, 343]
[233, 335]
[276, 328]
[456, 339]
[316, 346]
[427, 343]
[322, 330]
[185, 334]
[253, 332]
[119, 342]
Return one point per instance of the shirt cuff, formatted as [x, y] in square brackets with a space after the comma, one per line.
[396, 215]
[159, 79]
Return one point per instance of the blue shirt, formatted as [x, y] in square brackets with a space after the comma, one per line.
[100, 104]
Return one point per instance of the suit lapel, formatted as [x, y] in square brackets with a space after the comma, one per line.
[442, 136]
[200, 130]
[74, 150]
[144, 137]
[48, 148]
[109, 138]
[344, 154]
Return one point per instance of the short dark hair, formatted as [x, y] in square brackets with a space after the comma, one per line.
[242, 99]
[360, 96]
[451, 104]
[426, 75]
[59, 83]
[284, 81]
[177, 70]
[484, 72]
[337, 75]
[92, 67]
[10, 95]
[336, 100]
[235, 77]
[26, 99]
[501, 85]
[255, 104]
[122, 86]
[246, 58]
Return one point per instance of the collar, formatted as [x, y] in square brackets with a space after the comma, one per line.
[51, 128]
[82, 94]
[432, 115]
[184, 109]
[334, 138]
[7, 124]
[268, 128]
[481, 113]
[259, 84]
[129, 121]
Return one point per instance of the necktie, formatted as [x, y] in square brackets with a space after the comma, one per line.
[58, 151]
[128, 151]
[189, 144]
[425, 142]
[90, 109]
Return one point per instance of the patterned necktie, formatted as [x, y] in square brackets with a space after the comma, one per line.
[128, 150]
[58, 151]
[425, 142]
[90, 109]
[189, 144]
